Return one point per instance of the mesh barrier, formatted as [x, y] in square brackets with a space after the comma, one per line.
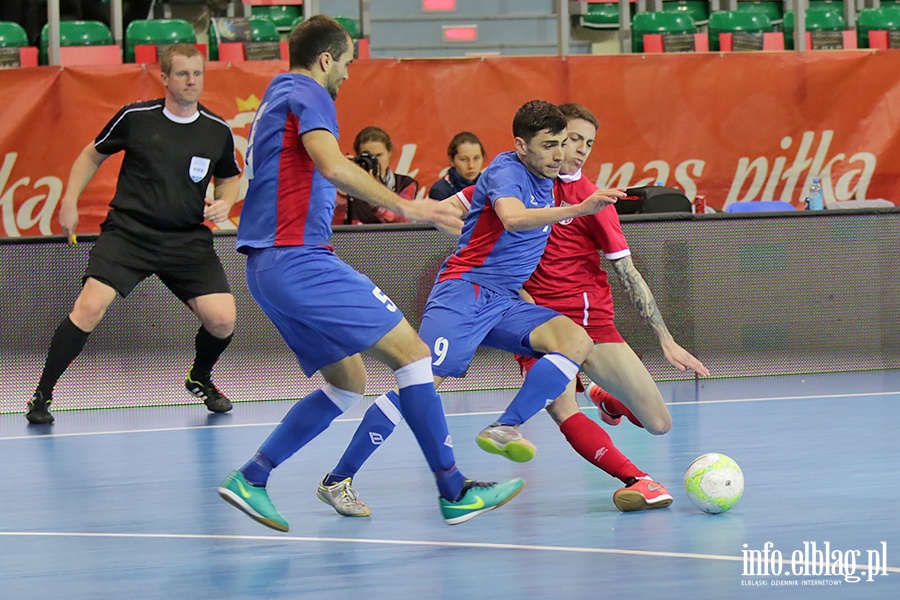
[748, 295]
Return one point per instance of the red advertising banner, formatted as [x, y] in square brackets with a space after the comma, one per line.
[732, 127]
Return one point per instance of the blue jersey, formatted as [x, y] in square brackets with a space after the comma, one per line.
[487, 254]
[289, 202]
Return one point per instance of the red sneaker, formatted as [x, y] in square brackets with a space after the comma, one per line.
[643, 494]
[598, 395]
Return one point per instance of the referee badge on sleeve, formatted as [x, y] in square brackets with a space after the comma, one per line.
[199, 168]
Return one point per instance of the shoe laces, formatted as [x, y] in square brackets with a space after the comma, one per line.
[469, 484]
[348, 493]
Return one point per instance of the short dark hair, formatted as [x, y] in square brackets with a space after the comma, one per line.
[536, 116]
[463, 137]
[314, 36]
[574, 111]
[186, 50]
[372, 134]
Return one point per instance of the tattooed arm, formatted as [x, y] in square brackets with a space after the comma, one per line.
[643, 300]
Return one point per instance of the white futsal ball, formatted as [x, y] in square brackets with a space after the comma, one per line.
[714, 483]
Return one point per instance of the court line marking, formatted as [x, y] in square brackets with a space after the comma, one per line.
[387, 542]
[466, 414]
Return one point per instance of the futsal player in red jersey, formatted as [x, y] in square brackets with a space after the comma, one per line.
[570, 280]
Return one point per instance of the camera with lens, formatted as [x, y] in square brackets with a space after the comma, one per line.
[369, 163]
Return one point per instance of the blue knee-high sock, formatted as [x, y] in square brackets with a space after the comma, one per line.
[306, 419]
[422, 408]
[546, 380]
[377, 424]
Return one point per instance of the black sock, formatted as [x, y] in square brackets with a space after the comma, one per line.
[67, 343]
[209, 348]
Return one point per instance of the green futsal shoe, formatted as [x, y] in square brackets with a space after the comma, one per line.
[479, 497]
[253, 500]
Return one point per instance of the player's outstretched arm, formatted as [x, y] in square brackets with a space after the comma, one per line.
[354, 181]
[643, 300]
[83, 170]
[516, 217]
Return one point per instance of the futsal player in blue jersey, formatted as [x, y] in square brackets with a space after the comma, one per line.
[476, 299]
[325, 311]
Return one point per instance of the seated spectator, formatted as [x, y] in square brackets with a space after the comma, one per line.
[466, 154]
[373, 149]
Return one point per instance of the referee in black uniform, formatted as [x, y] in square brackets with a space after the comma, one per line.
[173, 148]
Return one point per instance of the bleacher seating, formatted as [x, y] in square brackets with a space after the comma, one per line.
[351, 25]
[737, 21]
[156, 32]
[665, 23]
[885, 18]
[818, 19]
[14, 48]
[82, 42]
[697, 10]
[602, 15]
[284, 17]
[773, 10]
[230, 39]
[12, 35]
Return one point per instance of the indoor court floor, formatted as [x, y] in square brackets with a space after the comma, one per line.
[121, 504]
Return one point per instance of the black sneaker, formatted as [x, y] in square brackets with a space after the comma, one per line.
[39, 409]
[215, 400]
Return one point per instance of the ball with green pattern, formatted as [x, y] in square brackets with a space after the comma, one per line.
[714, 483]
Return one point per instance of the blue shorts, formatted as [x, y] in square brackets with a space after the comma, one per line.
[324, 310]
[461, 316]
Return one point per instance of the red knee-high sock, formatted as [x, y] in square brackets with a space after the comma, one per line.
[594, 444]
[615, 407]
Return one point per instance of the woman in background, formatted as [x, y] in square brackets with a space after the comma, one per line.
[466, 154]
[373, 148]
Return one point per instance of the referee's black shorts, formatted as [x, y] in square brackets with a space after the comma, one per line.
[186, 264]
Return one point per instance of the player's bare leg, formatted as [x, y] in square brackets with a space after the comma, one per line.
[616, 368]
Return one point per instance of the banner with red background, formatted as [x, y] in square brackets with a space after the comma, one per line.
[733, 127]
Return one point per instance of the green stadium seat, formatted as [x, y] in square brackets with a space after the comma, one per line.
[833, 5]
[296, 22]
[773, 10]
[76, 33]
[817, 19]
[658, 22]
[261, 30]
[697, 10]
[886, 18]
[12, 35]
[283, 17]
[603, 15]
[156, 32]
[351, 25]
[734, 21]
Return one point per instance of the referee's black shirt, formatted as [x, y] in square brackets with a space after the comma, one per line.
[168, 164]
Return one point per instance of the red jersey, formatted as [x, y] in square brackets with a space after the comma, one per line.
[569, 271]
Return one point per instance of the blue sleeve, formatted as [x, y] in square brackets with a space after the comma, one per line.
[315, 109]
[506, 181]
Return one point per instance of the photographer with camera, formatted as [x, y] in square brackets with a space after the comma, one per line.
[373, 150]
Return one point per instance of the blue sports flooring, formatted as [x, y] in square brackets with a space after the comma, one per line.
[121, 504]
